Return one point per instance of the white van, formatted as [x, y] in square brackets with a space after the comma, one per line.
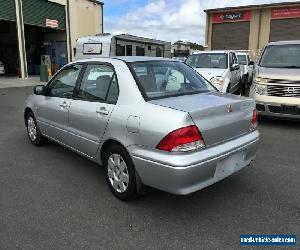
[106, 45]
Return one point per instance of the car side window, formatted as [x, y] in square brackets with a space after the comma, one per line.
[99, 83]
[64, 82]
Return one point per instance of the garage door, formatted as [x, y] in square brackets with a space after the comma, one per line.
[230, 35]
[36, 12]
[285, 29]
[7, 10]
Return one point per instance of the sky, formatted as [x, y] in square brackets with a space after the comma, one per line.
[168, 20]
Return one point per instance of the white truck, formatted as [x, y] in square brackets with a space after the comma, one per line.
[220, 67]
[247, 63]
[107, 45]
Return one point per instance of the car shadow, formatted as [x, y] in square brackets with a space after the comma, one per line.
[206, 201]
[228, 185]
[282, 122]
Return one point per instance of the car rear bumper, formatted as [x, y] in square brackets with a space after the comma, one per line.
[187, 173]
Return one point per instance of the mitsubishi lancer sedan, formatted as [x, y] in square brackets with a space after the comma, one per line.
[149, 121]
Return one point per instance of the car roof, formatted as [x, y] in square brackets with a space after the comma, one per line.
[285, 42]
[241, 53]
[126, 59]
[212, 52]
[140, 58]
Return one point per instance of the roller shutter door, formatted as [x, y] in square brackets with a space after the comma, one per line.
[7, 10]
[35, 12]
[285, 29]
[233, 36]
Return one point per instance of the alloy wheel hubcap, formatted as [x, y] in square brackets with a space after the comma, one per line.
[118, 173]
[31, 129]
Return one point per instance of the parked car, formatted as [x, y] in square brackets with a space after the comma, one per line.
[2, 68]
[276, 87]
[247, 64]
[148, 121]
[220, 67]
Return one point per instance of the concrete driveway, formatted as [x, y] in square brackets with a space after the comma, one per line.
[51, 198]
[10, 82]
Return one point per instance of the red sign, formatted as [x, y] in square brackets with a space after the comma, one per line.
[51, 23]
[282, 13]
[235, 16]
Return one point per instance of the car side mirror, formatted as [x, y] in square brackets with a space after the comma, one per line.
[251, 63]
[39, 90]
[234, 67]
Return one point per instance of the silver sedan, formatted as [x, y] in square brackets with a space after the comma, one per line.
[149, 121]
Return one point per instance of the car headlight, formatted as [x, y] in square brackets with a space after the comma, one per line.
[217, 80]
[260, 89]
[260, 80]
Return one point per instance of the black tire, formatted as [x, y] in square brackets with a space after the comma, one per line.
[38, 139]
[114, 176]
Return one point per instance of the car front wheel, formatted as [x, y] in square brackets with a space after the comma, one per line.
[33, 131]
[120, 173]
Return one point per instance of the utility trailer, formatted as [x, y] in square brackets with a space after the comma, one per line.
[107, 45]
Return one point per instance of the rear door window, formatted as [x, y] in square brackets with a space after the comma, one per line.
[99, 83]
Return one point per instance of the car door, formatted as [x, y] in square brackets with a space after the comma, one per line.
[235, 73]
[91, 108]
[232, 74]
[53, 108]
[250, 68]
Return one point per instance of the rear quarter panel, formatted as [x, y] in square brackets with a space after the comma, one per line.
[144, 125]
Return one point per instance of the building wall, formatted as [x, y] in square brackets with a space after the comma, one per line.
[208, 32]
[254, 30]
[259, 27]
[265, 28]
[85, 19]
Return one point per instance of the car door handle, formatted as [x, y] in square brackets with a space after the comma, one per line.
[64, 105]
[102, 111]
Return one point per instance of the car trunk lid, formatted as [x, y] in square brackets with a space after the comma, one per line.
[219, 117]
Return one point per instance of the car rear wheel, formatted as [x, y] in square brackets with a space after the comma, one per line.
[120, 173]
[34, 134]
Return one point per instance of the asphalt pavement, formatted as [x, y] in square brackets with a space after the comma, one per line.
[51, 198]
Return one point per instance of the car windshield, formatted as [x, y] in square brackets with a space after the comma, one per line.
[281, 56]
[208, 60]
[242, 59]
[160, 79]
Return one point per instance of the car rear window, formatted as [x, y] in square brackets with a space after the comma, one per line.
[161, 79]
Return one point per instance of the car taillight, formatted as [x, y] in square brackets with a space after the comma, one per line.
[182, 140]
[254, 120]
